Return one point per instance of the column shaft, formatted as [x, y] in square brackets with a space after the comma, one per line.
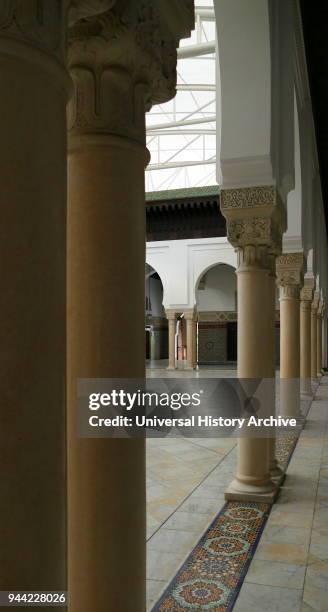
[290, 352]
[305, 337]
[319, 344]
[274, 469]
[106, 340]
[171, 331]
[195, 343]
[189, 317]
[254, 332]
[313, 342]
[34, 92]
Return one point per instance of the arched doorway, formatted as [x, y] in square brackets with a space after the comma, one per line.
[216, 299]
[155, 319]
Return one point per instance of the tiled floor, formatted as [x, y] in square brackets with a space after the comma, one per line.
[186, 482]
[289, 571]
[184, 495]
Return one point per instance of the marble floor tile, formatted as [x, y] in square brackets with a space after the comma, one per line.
[171, 540]
[202, 505]
[163, 565]
[315, 598]
[261, 598]
[279, 534]
[189, 521]
[295, 554]
[276, 574]
[154, 589]
[319, 546]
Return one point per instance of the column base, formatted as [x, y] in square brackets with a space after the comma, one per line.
[238, 491]
[188, 369]
[277, 476]
[307, 396]
[171, 368]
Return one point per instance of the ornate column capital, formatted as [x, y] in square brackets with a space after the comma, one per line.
[82, 9]
[321, 307]
[290, 269]
[315, 302]
[171, 315]
[256, 220]
[189, 315]
[122, 61]
[36, 32]
[307, 292]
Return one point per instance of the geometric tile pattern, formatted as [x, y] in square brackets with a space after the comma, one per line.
[212, 575]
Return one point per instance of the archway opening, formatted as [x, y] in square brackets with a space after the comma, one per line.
[216, 299]
[155, 318]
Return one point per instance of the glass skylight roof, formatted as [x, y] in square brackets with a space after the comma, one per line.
[181, 134]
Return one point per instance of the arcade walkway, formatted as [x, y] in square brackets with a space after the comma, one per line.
[186, 480]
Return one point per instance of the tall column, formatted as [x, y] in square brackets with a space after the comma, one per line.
[172, 321]
[274, 469]
[319, 338]
[195, 341]
[120, 63]
[324, 339]
[314, 310]
[290, 279]
[255, 221]
[190, 318]
[305, 337]
[34, 91]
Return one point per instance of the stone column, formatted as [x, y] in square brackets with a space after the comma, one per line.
[290, 278]
[190, 322]
[255, 221]
[275, 470]
[172, 321]
[305, 337]
[314, 311]
[35, 87]
[324, 339]
[195, 341]
[319, 339]
[120, 63]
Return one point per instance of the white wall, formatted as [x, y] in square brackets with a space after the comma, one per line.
[219, 293]
[181, 263]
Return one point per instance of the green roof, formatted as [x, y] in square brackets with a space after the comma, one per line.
[179, 194]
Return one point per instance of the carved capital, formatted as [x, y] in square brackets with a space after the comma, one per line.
[189, 315]
[171, 315]
[289, 292]
[121, 61]
[255, 217]
[250, 256]
[307, 292]
[321, 307]
[290, 268]
[82, 9]
[315, 302]
[40, 25]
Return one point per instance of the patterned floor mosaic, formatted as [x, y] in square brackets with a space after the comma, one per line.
[212, 575]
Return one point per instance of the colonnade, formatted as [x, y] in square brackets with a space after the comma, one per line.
[117, 65]
[255, 223]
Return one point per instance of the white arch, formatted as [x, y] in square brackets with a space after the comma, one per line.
[219, 291]
[210, 267]
[180, 263]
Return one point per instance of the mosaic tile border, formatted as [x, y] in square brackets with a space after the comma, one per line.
[213, 574]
